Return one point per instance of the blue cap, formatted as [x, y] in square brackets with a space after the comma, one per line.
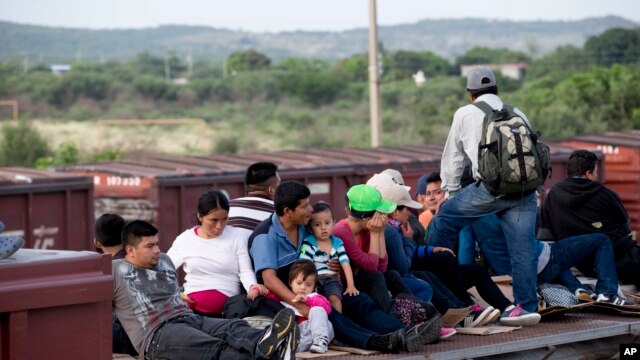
[421, 188]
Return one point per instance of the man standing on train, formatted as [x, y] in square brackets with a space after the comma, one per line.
[517, 212]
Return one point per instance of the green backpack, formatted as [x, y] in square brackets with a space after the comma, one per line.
[511, 160]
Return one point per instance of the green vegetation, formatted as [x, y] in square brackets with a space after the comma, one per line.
[254, 104]
[21, 145]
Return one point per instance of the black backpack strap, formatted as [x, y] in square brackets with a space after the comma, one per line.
[509, 108]
[486, 108]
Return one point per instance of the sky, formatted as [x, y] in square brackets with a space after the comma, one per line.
[292, 15]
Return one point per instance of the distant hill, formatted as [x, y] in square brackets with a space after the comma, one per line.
[447, 38]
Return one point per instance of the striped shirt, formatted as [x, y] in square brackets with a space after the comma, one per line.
[248, 212]
[311, 251]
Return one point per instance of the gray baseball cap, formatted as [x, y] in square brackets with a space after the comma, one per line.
[480, 77]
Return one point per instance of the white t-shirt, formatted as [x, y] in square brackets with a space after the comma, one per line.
[221, 263]
[462, 143]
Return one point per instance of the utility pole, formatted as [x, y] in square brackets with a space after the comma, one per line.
[374, 83]
[167, 67]
[25, 63]
[190, 63]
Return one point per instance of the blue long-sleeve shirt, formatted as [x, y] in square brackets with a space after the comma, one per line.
[401, 251]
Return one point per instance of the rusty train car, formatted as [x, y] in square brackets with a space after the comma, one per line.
[165, 189]
[50, 210]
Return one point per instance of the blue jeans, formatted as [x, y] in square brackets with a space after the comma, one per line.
[420, 288]
[467, 246]
[365, 320]
[576, 249]
[487, 231]
[200, 337]
[517, 218]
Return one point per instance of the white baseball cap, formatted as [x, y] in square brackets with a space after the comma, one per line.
[392, 191]
[396, 176]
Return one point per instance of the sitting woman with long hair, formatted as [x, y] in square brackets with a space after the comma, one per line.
[214, 258]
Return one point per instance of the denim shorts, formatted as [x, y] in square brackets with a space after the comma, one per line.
[330, 285]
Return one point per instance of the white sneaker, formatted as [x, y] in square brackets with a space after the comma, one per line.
[478, 316]
[320, 345]
[613, 299]
[491, 318]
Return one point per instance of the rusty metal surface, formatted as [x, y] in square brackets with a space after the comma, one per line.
[165, 189]
[353, 160]
[49, 210]
[567, 329]
[21, 175]
[626, 139]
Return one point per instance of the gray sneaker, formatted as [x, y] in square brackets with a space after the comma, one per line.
[278, 333]
[422, 334]
[517, 316]
[387, 343]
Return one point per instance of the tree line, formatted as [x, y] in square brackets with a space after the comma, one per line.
[570, 91]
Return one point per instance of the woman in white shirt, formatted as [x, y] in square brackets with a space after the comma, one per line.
[214, 258]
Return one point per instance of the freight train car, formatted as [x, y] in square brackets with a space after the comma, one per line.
[50, 210]
[164, 190]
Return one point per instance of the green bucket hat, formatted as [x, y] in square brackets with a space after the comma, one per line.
[367, 198]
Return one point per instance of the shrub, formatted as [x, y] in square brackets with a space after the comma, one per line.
[228, 145]
[313, 88]
[155, 88]
[248, 60]
[21, 145]
[107, 155]
[67, 153]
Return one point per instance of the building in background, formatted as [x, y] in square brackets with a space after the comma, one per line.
[514, 70]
